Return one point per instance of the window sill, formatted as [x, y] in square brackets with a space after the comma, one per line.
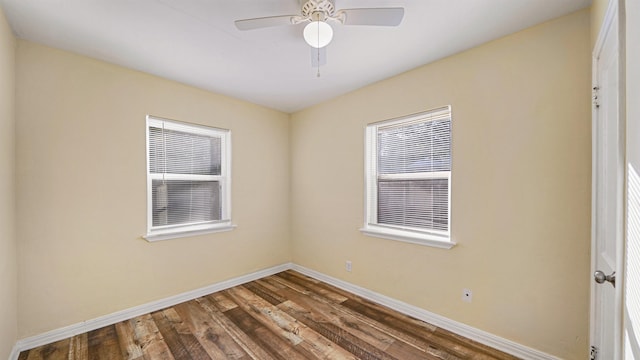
[174, 234]
[410, 237]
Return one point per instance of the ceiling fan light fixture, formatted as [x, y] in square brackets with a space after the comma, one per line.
[318, 34]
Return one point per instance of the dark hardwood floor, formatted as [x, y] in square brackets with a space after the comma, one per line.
[284, 316]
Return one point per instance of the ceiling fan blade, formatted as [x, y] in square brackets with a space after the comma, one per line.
[374, 16]
[258, 23]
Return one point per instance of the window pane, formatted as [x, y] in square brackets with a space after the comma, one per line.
[186, 153]
[185, 202]
[414, 203]
[416, 147]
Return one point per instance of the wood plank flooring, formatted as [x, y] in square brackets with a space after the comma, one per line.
[284, 316]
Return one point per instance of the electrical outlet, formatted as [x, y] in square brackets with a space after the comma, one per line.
[347, 266]
[466, 295]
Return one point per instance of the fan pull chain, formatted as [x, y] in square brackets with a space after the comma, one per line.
[318, 66]
[318, 51]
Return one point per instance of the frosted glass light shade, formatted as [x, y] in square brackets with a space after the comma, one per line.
[318, 34]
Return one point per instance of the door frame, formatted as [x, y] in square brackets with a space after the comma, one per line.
[615, 11]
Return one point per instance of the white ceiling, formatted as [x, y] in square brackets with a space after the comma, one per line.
[195, 41]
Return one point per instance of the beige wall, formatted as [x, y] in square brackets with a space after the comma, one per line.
[8, 254]
[521, 188]
[82, 190]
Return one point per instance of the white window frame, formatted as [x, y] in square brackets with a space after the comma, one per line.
[156, 233]
[431, 237]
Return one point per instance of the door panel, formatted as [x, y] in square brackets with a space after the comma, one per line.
[608, 192]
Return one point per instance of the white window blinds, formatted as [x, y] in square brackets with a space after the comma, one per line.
[409, 173]
[188, 176]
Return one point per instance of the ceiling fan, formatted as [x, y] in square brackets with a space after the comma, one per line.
[318, 13]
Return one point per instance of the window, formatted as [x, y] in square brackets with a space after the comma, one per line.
[188, 179]
[408, 178]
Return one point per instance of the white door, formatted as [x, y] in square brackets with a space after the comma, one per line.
[608, 175]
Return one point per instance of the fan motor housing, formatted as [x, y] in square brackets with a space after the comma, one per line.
[313, 9]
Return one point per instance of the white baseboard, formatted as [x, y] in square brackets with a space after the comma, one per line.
[93, 324]
[14, 353]
[467, 331]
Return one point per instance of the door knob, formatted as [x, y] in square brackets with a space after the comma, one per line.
[600, 277]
